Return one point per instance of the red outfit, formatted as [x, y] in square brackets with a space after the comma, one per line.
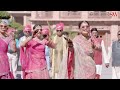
[70, 65]
[98, 53]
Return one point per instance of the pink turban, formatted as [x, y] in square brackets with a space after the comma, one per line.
[10, 30]
[60, 26]
[27, 28]
[45, 31]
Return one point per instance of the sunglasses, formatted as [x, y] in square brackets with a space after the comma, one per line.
[38, 29]
[27, 31]
[3, 26]
[59, 30]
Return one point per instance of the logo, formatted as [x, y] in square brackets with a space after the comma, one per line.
[113, 14]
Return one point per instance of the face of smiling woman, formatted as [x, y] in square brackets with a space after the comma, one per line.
[3, 27]
[85, 29]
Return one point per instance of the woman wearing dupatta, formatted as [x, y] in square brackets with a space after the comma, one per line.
[78, 62]
[34, 63]
[45, 33]
[5, 40]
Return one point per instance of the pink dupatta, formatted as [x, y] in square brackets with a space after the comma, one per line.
[4, 63]
[22, 60]
[33, 58]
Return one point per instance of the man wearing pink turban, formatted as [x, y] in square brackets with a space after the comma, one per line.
[58, 53]
[27, 31]
[45, 33]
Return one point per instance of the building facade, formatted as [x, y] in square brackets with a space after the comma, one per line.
[107, 22]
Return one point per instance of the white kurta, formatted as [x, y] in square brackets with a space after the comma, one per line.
[104, 57]
[13, 58]
[22, 39]
[58, 54]
[115, 72]
[13, 63]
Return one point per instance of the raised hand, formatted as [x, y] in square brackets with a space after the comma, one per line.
[70, 43]
[34, 32]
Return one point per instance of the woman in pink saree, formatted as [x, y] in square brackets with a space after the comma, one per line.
[5, 40]
[78, 62]
[34, 63]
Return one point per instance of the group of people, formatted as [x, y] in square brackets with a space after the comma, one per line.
[43, 56]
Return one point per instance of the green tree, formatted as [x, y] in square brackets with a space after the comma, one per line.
[4, 15]
[13, 23]
[16, 26]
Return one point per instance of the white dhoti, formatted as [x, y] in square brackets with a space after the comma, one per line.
[99, 69]
[56, 75]
[21, 72]
[48, 62]
[116, 72]
[13, 63]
